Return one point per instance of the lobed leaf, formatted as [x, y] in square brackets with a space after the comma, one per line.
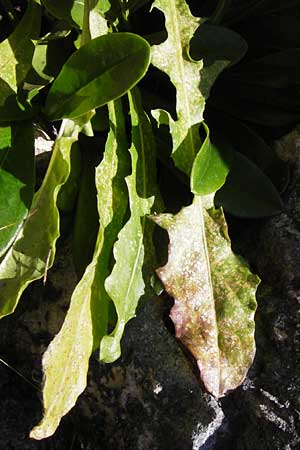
[125, 285]
[33, 250]
[65, 362]
[91, 76]
[214, 294]
[16, 179]
[172, 57]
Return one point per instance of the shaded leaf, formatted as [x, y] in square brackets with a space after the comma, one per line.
[214, 294]
[71, 11]
[32, 253]
[211, 165]
[125, 287]
[215, 43]
[246, 141]
[16, 179]
[91, 76]
[248, 192]
[65, 362]
[86, 221]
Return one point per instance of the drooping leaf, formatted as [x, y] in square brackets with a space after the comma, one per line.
[16, 179]
[211, 165]
[33, 250]
[125, 287]
[248, 192]
[91, 76]
[172, 57]
[65, 362]
[16, 53]
[214, 294]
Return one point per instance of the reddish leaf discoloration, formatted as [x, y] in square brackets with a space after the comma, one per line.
[214, 294]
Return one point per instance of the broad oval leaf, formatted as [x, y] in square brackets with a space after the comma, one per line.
[16, 179]
[214, 293]
[248, 192]
[102, 70]
[211, 165]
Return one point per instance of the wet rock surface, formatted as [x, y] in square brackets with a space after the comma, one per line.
[152, 399]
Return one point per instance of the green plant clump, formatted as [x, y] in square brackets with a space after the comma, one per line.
[156, 106]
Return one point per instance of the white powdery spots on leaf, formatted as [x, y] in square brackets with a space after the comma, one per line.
[171, 57]
[214, 294]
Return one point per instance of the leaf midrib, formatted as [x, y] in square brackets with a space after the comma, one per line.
[179, 51]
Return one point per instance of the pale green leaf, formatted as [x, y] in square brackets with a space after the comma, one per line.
[65, 362]
[126, 285]
[172, 57]
[214, 293]
[33, 251]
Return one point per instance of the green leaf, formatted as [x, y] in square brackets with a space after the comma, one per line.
[125, 287]
[248, 192]
[16, 53]
[214, 294]
[65, 362]
[33, 251]
[172, 57]
[211, 166]
[16, 179]
[91, 76]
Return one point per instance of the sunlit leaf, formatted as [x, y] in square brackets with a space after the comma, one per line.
[91, 76]
[126, 284]
[214, 294]
[211, 166]
[65, 362]
[172, 57]
[32, 253]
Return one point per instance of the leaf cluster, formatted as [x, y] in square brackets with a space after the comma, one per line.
[153, 106]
